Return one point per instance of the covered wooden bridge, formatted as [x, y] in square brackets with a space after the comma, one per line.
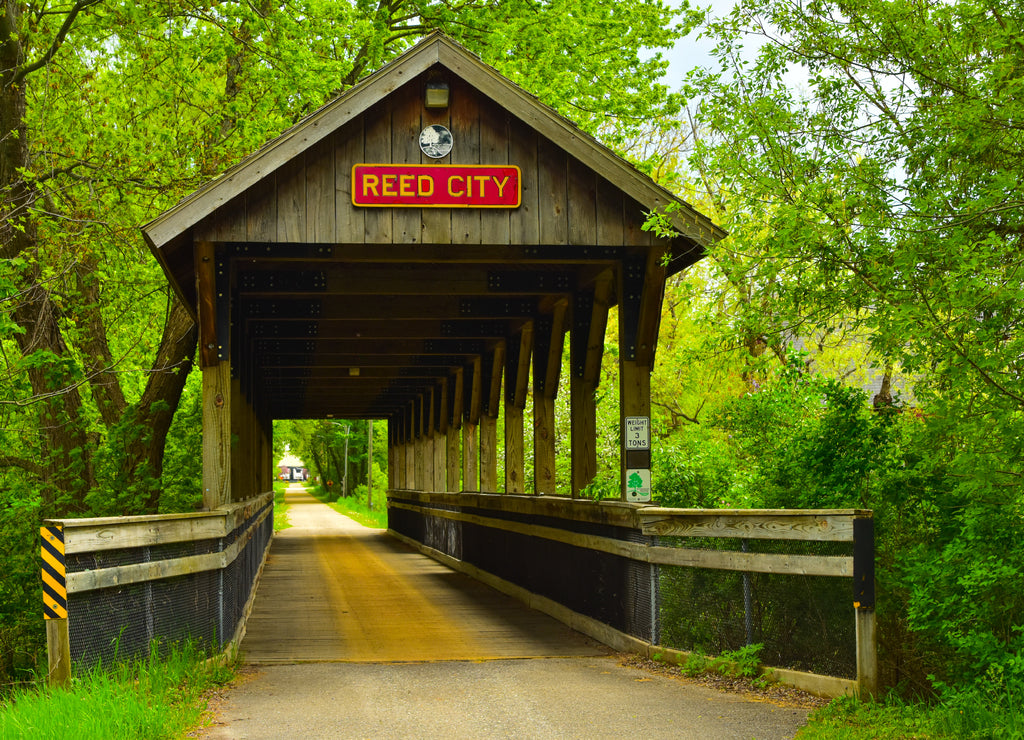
[409, 252]
[416, 251]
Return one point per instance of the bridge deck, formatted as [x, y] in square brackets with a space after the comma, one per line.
[335, 591]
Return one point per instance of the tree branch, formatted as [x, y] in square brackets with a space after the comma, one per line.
[10, 461]
[58, 41]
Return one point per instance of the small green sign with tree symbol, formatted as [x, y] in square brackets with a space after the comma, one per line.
[638, 485]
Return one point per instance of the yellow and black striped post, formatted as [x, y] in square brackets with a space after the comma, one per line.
[55, 604]
[55, 588]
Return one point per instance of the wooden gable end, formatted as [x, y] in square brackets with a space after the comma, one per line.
[309, 199]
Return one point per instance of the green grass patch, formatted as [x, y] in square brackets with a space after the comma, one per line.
[151, 698]
[355, 506]
[966, 715]
[280, 507]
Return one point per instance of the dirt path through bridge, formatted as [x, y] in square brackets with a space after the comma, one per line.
[355, 635]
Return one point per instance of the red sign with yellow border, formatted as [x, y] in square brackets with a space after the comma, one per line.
[436, 186]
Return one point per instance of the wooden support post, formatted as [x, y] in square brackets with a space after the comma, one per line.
[411, 481]
[216, 435]
[402, 435]
[55, 603]
[395, 453]
[425, 444]
[454, 451]
[440, 428]
[470, 450]
[58, 652]
[517, 376]
[488, 453]
[240, 462]
[586, 348]
[864, 605]
[491, 389]
[216, 368]
[548, 338]
[641, 285]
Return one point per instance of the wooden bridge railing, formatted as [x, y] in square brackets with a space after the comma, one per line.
[570, 558]
[114, 585]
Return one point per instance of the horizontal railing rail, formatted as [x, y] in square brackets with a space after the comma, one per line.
[696, 539]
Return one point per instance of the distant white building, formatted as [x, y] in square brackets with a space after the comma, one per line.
[292, 468]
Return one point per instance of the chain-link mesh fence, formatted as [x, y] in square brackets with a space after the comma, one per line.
[124, 621]
[803, 622]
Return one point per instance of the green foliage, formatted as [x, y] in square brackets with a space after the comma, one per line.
[696, 470]
[696, 664]
[877, 205]
[971, 715]
[744, 662]
[181, 484]
[813, 441]
[20, 590]
[355, 507]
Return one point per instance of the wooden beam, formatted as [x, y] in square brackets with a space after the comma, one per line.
[206, 291]
[488, 453]
[547, 364]
[425, 446]
[240, 465]
[492, 365]
[216, 435]
[517, 375]
[440, 460]
[586, 347]
[397, 280]
[414, 456]
[488, 253]
[470, 441]
[454, 450]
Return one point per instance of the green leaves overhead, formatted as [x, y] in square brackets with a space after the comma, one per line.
[889, 183]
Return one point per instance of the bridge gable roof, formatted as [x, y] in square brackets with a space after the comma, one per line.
[324, 308]
[218, 210]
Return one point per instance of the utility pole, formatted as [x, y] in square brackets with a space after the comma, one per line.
[369, 466]
[344, 477]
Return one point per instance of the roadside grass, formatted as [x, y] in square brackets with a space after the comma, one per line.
[967, 715]
[355, 507]
[154, 698]
[280, 507]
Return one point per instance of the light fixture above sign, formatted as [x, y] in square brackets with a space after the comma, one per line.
[436, 141]
[436, 95]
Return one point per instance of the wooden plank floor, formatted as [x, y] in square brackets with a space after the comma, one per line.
[335, 591]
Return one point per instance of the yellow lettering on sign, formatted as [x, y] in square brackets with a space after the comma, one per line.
[389, 185]
[405, 183]
[451, 186]
[425, 186]
[501, 185]
[482, 179]
[370, 183]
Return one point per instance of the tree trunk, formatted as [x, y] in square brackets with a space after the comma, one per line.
[64, 442]
[163, 392]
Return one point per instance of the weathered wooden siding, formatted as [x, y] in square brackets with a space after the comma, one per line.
[309, 200]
